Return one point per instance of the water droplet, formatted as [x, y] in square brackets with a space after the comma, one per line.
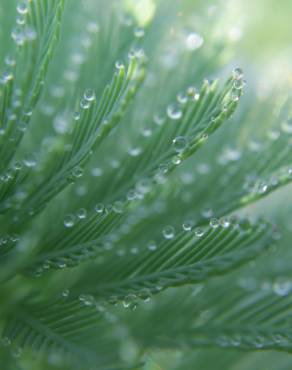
[237, 73]
[77, 172]
[99, 208]
[130, 301]
[134, 152]
[187, 225]
[119, 65]
[145, 295]
[158, 119]
[29, 160]
[89, 95]
[22, 7]
[180, 143]
[87, 300]
[84, 104]
[176, 160]
[139, 32]
[182, 98]
[214, 223]
[193, 93]
[144, 185]
[238, 84]
[69, 221]
[199, 232]
[6, 77]
[60, 124]
[262, 188]
[152, 246]
[273, 134]
[96, 171]
[225, 222]
[131, 195]
[92, 27]
[118, 207]
[168, 232]
[282, 288]
[65, 293]
[194, 41]
[174, 112]
[81, 213]
[207, 212]
[10, 61]
[146, 132]
[76, 115]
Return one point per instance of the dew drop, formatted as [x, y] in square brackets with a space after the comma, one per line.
[69, 221]
[81, 213]
[60, 124]
[135, 152]
[158, 119]
[84, 104]
[131, 195]
[139, 32]
[29, 160]
[176, 160]
[65, 293]
[225, 222]
[96, 172]
[238, 84]
[130, 301]
[145, 295]
[99, 208]
[152, 246]
[89, 95]
[282, 288]
[87, 300]
[77, 172]
[199, 232]
[182, 98]
[214, 223]
[118, 207]
[76, 115]
[168, 232]
[119, 65]
[174, 112]
[180, 143]
[187, 225]
[194, 41]
[22, 7]
[237, 73]
[92, 27]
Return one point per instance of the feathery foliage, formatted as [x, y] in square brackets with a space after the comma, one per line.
[126, 178]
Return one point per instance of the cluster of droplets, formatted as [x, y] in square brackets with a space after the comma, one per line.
[129, 301]
[8, 239]
[253, 340]
[76, 173]
[70, 220]
[87, 99]
[15, 350]
[79, 55]
[23, 32]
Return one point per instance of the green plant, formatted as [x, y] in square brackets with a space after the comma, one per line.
[119, 185]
